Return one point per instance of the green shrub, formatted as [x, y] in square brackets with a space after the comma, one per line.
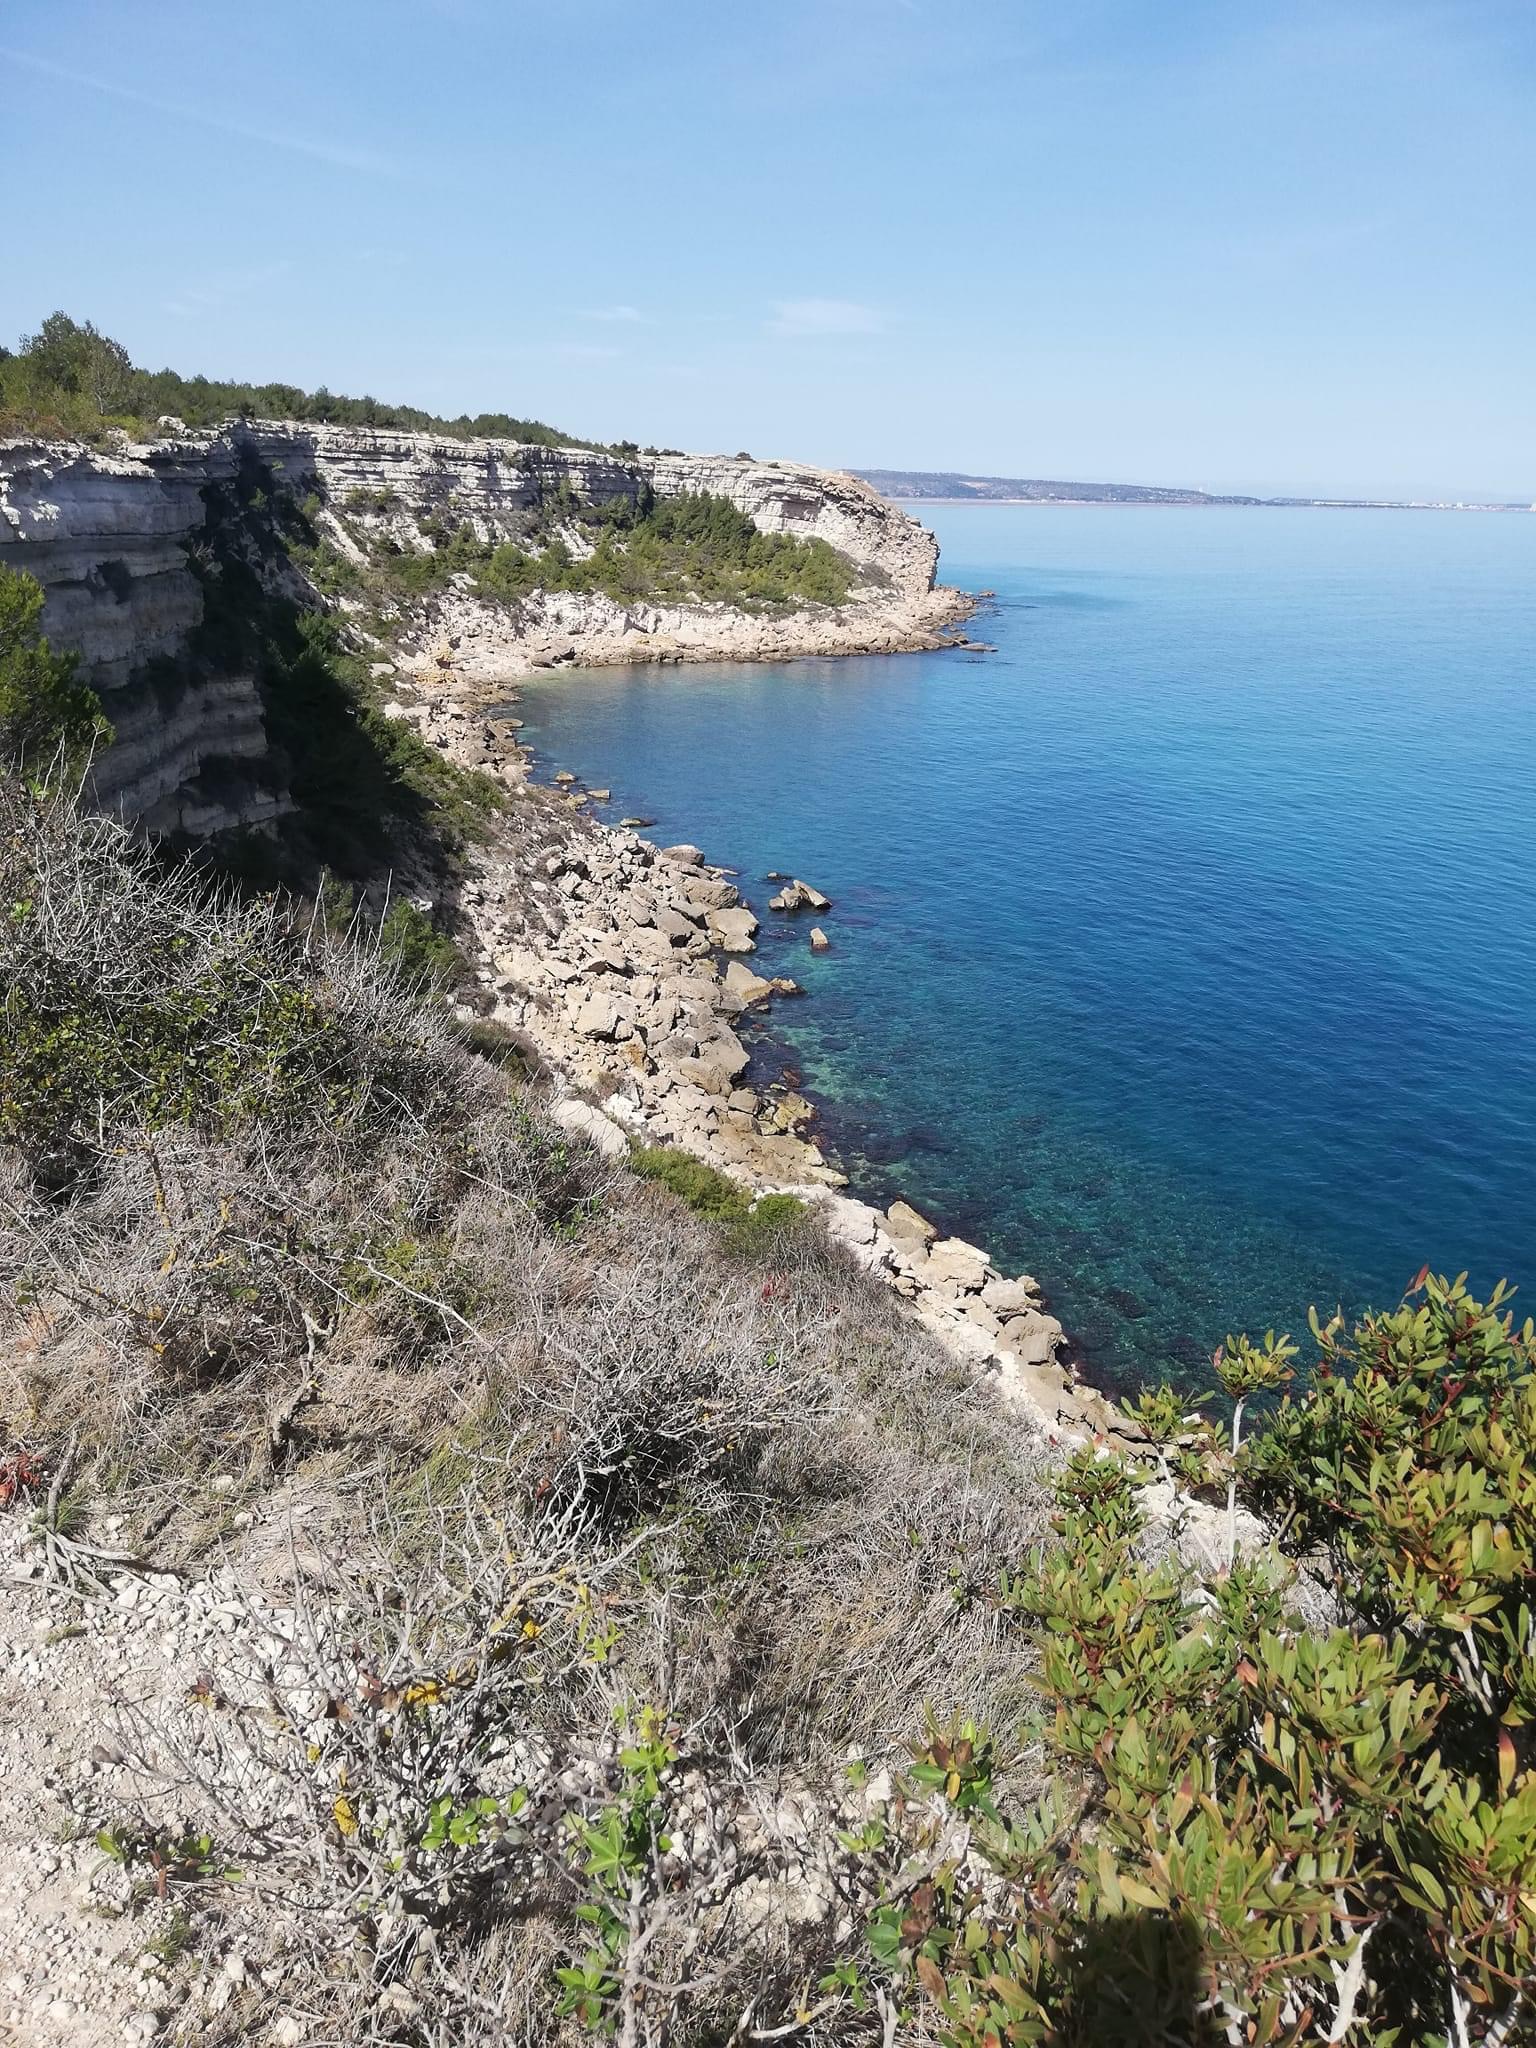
[682, 551]
[497, 1043]
[766, 1227]
[1301, 1833]
[46, 714]
[752, 1229]
[706, 1192]
[425, 957]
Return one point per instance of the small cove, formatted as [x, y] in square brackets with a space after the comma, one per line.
[1183, 948]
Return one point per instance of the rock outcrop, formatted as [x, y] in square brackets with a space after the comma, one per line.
[115, 537]
[108, 536]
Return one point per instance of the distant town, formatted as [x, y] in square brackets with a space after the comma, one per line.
[950, 486]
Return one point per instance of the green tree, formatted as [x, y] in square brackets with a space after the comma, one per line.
[81, 360]
[46, 713]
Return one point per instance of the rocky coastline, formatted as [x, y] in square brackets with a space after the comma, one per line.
[624, 966]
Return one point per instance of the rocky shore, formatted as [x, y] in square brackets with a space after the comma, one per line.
[623, 965]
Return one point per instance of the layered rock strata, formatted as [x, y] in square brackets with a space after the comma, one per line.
[108, 535]
[114, 537]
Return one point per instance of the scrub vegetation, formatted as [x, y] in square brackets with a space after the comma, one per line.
[735, 1659]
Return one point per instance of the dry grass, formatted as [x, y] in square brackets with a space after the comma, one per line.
[513, 1380]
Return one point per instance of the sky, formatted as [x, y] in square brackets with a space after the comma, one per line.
[1222, 243]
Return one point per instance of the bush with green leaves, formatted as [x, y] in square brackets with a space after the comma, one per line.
[1260, 1830]
[753, 1227]
[48, 717]
[685, 550]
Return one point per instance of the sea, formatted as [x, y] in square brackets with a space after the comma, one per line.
[1183, 947]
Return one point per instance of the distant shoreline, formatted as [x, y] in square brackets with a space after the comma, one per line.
[959, 487]
[1210, 505]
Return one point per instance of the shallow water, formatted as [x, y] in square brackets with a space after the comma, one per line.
[1183, 948]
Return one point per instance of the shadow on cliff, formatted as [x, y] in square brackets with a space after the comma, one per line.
[367, 796]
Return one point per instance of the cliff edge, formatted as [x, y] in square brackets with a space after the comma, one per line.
[396, 534]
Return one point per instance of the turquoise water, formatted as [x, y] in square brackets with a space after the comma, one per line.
[1184, 948]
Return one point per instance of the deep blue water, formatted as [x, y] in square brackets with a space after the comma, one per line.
[1184, 947]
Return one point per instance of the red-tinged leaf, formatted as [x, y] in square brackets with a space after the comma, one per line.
[931, 1977]
[1508, 1760]
[1418, 1280]
[1247, 1673]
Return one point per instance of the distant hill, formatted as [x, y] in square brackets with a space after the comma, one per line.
[927, 483]
[1028, 490]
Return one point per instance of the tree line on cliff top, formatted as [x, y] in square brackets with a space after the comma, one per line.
[69, 380]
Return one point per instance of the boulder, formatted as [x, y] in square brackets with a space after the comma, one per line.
[599, 1131]
[563, 775]
[820, 943]
[727, 1050]
[798, 895]
[703, 1073]
[732, 930]
[1012, 1297]
[982, 1316]
[606, 959]
[952, 1259]
[711, 892]
[745, 986]
[1042, 1390]
[790, 1111]
[1033, 1338]
[599, 1016]
[851, 1223]
[685, 856]
[908, 1228]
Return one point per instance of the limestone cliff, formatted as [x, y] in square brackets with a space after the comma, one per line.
[116, 538]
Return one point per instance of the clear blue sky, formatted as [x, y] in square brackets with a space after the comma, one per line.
[1227, 243]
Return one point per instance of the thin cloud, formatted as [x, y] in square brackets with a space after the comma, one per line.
[587, 351]
[628, 316]
[367, 161]
[800, 317]
[222, 286]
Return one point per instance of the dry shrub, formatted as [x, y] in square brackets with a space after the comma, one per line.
[338, 1258]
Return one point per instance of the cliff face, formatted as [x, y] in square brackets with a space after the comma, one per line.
[108, 537]
[114, 539]
[497, 484]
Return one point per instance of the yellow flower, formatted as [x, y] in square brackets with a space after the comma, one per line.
[342, 1814]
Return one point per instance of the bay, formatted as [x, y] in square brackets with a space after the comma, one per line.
[1183, 948]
